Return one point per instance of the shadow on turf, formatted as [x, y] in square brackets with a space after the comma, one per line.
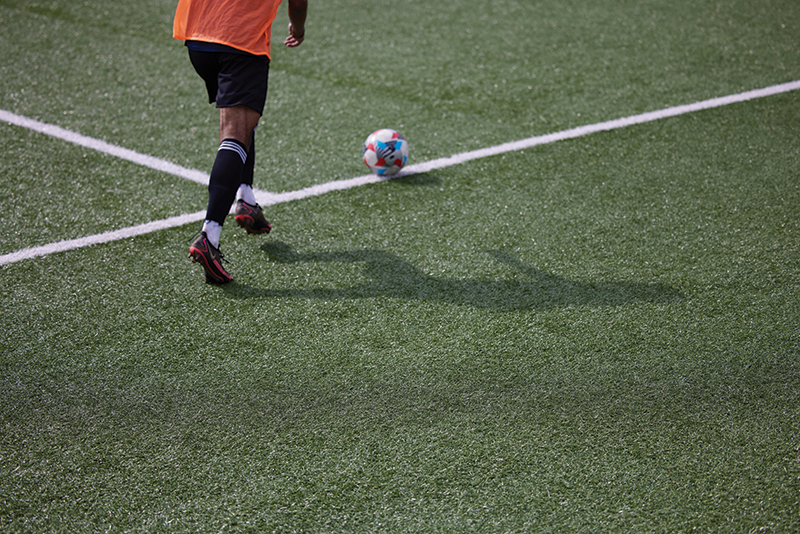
[423, 179]
[393, 277]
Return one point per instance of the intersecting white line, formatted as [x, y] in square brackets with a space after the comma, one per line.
[266, 198]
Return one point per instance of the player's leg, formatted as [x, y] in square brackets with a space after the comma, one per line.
[205, 249]
[237, 82]
[236, 132]
[245, 192]
[237, 128]
[247, 212]
[238, 121]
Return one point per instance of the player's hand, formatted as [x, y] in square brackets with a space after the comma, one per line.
[293, 40]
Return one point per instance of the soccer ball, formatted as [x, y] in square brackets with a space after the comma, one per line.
[385, 152]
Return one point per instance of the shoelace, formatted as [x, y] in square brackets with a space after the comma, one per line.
[222, 257]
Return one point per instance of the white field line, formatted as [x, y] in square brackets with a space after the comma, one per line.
[106, 148]
[105, 237]
[267, 199]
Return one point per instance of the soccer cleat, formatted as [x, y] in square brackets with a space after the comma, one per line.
[204, 253]
[251, 218]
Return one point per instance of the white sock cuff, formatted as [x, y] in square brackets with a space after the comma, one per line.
[213, 231]
[245, 192]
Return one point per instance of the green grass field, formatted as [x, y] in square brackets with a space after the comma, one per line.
[595, 335]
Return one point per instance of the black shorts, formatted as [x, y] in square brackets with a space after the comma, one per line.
[233, 79]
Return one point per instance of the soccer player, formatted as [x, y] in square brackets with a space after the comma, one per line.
[229, 47]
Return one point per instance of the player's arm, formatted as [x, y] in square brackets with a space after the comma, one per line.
[297, 22]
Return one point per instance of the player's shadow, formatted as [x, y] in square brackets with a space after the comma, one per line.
[391, 276]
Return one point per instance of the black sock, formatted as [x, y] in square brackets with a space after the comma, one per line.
[226, 175]
[250, 163]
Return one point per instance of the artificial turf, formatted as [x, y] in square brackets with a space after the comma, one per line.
[597, 335]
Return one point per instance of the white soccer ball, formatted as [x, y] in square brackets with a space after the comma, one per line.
[385, 152]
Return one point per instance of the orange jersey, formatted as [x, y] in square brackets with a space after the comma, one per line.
[243, 24]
